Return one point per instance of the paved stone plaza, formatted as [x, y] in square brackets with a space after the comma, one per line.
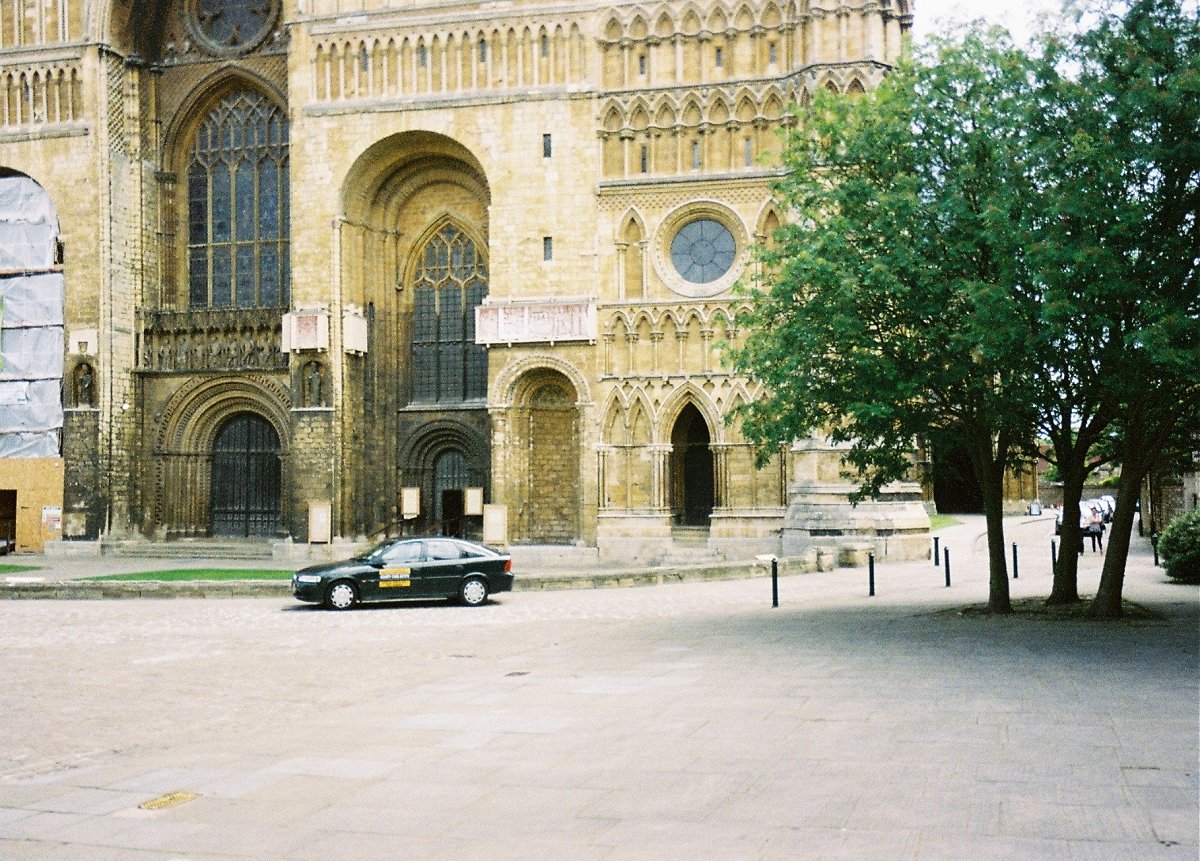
[687, 721]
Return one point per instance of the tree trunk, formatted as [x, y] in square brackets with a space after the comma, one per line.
[1066, 572]
[1107, 603]
[990, 476]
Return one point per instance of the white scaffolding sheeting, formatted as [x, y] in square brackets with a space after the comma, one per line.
[32, 354]
[29, 444]
[31, 322]
[28, 225]
[32, 300]
[30, 407]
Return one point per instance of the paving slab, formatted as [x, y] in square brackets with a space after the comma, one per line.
[683, 720]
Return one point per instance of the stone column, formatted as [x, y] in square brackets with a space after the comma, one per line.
[502, 492]
[622, 290]
[721, 491]
[604, 454]
[643, 248]
[873, 31]
[660, 476]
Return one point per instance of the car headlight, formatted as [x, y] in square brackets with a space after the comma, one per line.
[308, 578]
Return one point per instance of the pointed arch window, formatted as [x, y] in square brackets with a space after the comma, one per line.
[449, 283]
[237, 187]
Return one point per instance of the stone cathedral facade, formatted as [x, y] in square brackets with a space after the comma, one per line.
[341, 268]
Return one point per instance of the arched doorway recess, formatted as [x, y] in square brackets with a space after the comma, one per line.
[246, 478]
[415, 242]
[548, 431]
[451, 477]
[692, 474]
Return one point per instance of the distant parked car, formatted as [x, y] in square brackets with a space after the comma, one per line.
[1085, 514]
[432, 567]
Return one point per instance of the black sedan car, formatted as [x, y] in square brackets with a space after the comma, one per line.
[398, 568]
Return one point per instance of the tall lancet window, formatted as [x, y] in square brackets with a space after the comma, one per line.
[449, 283]
[237, 187]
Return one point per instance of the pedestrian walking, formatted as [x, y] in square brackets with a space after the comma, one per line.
[1095, 530]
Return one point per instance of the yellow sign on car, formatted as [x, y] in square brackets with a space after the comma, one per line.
[394, 578]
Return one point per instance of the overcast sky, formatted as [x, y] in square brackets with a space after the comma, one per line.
[1018, 17]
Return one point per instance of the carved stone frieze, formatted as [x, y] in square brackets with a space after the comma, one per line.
[212, 340]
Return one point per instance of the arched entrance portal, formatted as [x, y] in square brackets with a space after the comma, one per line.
[548, 439]
[246, 478]
[691, 469]
[451, 475]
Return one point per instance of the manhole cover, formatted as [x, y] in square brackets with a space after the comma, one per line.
[171, 799]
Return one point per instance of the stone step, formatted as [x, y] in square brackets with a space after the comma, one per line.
[690, 536]
[690, 555]
[553, 555]
[190, 549]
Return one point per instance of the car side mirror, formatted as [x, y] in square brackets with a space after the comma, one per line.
[375, 563]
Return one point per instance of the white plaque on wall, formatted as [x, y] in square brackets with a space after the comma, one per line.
[473, 501]
[410, 502]
[495, 524]
[536, 322]
[305, 329]
[354, 330]
[319, 521]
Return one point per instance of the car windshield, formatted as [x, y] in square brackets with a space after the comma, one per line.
[374, 552]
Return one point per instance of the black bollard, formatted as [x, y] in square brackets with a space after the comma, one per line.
[1053, 555]
[1154, 544]
[1014, 560]
[871, 574]
[946, 556]
[774, 582]
[937, 559]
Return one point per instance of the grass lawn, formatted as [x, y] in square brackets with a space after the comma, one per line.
[180, 574]
[941, 521]
[16, 569]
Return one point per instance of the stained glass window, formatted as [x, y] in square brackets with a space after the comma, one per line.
[703, 250]
[233, 24]
[237, 181]
[450, 282]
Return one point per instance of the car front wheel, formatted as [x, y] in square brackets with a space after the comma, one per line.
[341, 595]
[473, 592]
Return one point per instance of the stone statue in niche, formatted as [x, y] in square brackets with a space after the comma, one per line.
[85, 386]
[312, 385]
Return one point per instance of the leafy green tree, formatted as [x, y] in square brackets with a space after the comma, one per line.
[890, 306]
[1113, 249]
[990, 248]
[1180, 546]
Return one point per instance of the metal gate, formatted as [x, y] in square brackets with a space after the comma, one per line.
[246, 478]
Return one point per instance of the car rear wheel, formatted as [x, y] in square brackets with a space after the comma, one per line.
[473, 592]
[341, 595]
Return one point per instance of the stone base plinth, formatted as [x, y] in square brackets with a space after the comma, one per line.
[896, 526]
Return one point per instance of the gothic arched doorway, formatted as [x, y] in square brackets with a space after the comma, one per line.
[246, 478]
[692, 482]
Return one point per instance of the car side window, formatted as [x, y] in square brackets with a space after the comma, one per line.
[409, 551]
[442, 550]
